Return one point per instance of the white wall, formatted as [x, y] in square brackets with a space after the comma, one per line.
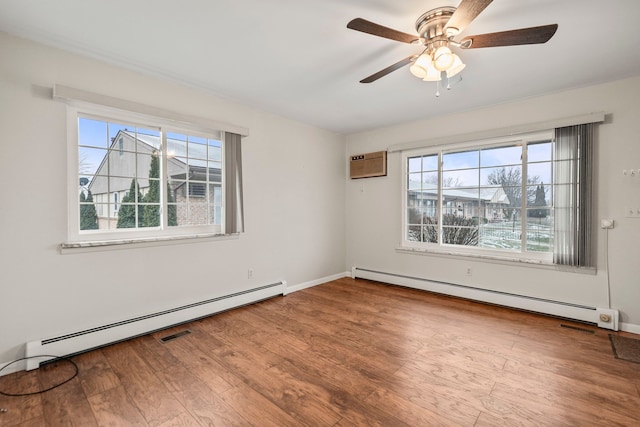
[294, 206]
[374, 211]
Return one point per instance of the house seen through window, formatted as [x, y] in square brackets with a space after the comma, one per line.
[492, 198]
[134, 177]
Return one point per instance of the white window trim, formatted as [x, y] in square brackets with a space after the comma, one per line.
[407, 246]
[503, 260]
[476, 137]
[103, 245]
[76, 238]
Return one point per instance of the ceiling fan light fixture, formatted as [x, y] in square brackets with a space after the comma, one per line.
[421, 66]
[424, 61]
[436, 30]
[418, 71]
[433, 75]
[456, 67]
[442, 58]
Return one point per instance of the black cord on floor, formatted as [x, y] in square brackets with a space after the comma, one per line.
[53, 359]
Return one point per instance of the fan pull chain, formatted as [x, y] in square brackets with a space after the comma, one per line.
[438, 89]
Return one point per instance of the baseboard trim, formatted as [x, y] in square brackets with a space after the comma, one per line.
[33, 348]
[538, 305]
[90, 338]
[630, 327]
[294, 288]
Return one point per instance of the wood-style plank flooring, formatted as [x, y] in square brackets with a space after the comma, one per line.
[345, 353]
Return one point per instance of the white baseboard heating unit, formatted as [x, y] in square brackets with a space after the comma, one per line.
[80, 341]
[604, 317]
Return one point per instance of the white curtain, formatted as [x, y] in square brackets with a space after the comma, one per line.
[572, 195]
[233, 206]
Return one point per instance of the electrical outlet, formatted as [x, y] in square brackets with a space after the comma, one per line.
[250, 273]
[606, 223]
[469, 272]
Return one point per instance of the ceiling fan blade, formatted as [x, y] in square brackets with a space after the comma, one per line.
[369, 27]
[389, 69]
[532, 35]
[467, 12]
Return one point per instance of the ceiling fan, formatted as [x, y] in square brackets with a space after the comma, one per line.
[437, 29]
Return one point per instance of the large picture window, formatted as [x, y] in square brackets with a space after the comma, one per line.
[492, 198]
[153, 173]
[134, 180]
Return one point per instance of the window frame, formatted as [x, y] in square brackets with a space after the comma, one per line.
[522, 254]
[164, 126]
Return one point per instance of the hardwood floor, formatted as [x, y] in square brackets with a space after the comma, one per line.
[346, 353]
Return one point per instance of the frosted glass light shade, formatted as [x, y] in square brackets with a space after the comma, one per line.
[442, 58]
[432, 75]
[421, 66]
[418, 71]
[424, 60]
[456, 66]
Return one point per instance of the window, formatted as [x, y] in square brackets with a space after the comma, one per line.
[137, 179]
[493, 199]
[197, 190]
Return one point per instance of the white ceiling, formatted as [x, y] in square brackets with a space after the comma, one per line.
[296, 58]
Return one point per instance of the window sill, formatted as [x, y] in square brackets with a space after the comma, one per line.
[517, 262]
[104, 245]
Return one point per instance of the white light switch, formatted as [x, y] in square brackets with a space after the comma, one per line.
[630, 212]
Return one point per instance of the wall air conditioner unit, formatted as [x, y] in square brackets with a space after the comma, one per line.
[368, 165]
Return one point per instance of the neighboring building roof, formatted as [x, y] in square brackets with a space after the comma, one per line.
[178, 150]
[494, 195]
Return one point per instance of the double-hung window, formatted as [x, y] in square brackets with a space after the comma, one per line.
[506, 197]
[134, 176]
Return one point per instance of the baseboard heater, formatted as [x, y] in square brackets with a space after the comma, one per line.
[80, 341]
[604, 318]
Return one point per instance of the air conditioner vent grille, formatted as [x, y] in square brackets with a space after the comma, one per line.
[368, 165]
